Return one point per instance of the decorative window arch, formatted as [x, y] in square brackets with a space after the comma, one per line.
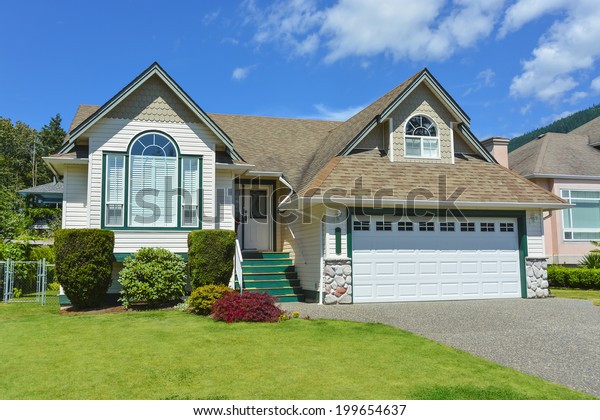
[152, 186]
[421, 138]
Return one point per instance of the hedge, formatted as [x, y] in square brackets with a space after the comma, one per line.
[578, 278]
[210, 256]
[84, 260]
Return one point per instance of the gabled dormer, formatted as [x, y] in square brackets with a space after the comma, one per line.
[417, 121]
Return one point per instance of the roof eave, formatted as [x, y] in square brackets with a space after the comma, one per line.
[154, 69]
[564, 176]
[429, 204]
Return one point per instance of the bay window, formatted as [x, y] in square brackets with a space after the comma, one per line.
[153, 186]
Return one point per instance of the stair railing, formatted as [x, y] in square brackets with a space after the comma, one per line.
[237, 261]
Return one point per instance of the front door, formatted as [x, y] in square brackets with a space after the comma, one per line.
[255, 211]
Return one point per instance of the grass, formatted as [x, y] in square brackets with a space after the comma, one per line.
[593, 295]
[172, 355]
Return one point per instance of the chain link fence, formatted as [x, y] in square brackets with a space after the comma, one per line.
[29, 282]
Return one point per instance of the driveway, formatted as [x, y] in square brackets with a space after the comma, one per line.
[555, 339]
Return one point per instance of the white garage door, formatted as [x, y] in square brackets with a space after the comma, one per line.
[399, 260]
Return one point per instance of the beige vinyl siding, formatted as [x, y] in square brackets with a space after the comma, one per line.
[224, 200]
[376, 138]
[128, 241]
[115, 135]
[461, 145]
[75, 197]
[422, 102]
[306, 249]
[330, 235]
[535, 234]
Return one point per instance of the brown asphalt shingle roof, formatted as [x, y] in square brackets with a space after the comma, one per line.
[366, 173]
[556, 154]
[82, 114]
[276, 144]
[590, 129]
[333, 144]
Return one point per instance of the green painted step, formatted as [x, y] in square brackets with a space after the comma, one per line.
[253, 255]
[268, 269]
[271, 276]
[267, 261]
[271, 284]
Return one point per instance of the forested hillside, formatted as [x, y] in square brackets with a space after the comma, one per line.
[21, 166]
[564, 125]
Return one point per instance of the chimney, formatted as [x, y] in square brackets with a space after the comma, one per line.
[498, 147]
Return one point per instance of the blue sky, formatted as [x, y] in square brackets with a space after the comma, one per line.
[511, 65]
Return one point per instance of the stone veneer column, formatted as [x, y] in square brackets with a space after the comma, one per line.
[337, 277]
[537, 277]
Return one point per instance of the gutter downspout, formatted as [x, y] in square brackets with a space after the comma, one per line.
[287, 184]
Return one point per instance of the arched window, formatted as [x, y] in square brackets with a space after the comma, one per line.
[421, 139]
[163, 188]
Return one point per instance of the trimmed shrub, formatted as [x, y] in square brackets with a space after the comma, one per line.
[249, 307]
[202, 299]
[84, 260]
[578, 278]
[154, 276]
[210, 256]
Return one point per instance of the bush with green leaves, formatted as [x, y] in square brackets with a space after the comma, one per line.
[39, 253]
[210, 256]
[153, 276]
[84, 259]
[578, 278]
[202, 298]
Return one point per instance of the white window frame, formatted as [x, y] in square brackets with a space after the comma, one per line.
[195, 195]
[567, 196]
[108, 202]
[421, 139]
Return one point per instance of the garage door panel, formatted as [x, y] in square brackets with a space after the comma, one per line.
[400, 266]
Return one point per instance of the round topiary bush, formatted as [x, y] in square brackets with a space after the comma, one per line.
[84, 260]
[202, 298]
[210, 256]
[153, 276]
[249, 307]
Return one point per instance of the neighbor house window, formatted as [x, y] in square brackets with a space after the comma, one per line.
[582, 222]
[421, 138]
[153, 186]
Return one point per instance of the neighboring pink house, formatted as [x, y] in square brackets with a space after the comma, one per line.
[569, 166]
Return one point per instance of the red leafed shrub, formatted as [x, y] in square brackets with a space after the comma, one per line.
[249, 307]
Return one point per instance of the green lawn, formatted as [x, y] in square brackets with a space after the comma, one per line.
[172, 355]
[593, 295]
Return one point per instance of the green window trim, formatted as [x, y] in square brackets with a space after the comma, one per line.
[338, 240]
[126, 223]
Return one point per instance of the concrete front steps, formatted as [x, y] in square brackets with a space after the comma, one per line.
[273, 273]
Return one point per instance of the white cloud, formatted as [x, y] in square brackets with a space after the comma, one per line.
[576, 97]
[525, 11]
[326, 113]
[569, 46]
[398, 28]
[240, 73]
[555, 117]
[356, 28]
[210, 17]
[484, 78]
[293, 23]
[595, 85]
[525, 109]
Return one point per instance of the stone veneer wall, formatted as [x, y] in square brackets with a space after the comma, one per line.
[537, 277]
[337, 276]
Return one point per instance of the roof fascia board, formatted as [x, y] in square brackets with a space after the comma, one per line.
[563, 176]
[154, 69]
[435, 86]
[428, 204]
[476, 144]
